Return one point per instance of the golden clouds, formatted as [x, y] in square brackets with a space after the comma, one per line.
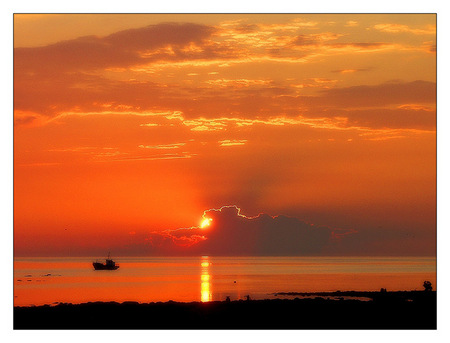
[146, 68]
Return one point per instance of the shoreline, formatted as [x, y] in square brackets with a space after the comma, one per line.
[387, 310]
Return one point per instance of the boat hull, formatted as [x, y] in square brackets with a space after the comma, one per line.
[102, 266]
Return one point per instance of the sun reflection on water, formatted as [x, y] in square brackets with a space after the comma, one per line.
[205, 288]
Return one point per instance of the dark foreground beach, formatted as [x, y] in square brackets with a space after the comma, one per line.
[385, 310]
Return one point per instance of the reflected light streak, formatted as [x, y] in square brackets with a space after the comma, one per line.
[205, 288]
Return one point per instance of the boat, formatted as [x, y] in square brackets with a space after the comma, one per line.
[109, 265]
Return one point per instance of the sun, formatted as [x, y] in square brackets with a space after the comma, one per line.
[205, 223]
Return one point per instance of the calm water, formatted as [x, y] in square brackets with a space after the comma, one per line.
[149, 279]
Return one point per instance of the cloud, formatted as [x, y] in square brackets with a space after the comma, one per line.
[322, 40]
[28, 118]
[163, 146]
[237, 83]
[65, 79]
[121, 49]
[183, 155]
[285, 104]
[404, 117]
[380, 95]
[347, 71]
[316, 82]
[378, 241]
[232, 142]
[350, 48]
[386, 105]
[232, 233]
[351, 23]
[400, 28]
[315, 39]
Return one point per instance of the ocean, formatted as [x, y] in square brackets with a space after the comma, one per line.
[51, 280]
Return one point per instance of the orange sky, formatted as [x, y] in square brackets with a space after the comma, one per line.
[126, 126]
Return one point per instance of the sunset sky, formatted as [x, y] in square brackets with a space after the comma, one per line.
[267, 134]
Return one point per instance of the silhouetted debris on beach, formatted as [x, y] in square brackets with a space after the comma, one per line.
[388, 310]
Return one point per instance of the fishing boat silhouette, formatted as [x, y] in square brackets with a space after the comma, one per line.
[108, 265]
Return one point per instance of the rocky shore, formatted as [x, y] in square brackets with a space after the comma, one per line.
[386, 310]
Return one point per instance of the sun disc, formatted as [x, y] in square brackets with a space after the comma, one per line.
[206, 222]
